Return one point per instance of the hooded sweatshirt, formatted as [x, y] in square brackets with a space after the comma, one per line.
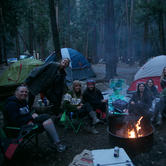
[18, 112]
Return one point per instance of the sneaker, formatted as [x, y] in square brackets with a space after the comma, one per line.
[96, 120]
[159, 121]
[92, 130]
[58, 147]
[104, 120]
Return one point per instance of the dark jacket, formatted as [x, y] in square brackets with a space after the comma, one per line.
[18, 112]
[153, 92]
[46, 77]
[163, 83]
[94, 97]
[145, 102]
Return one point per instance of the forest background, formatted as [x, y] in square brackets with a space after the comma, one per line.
[110, 30]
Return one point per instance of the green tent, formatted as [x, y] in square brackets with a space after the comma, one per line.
[15, 75]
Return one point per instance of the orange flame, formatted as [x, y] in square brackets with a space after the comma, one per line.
[131, 133]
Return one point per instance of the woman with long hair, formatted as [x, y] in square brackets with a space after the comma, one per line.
[139, 106]
[152, 90]
[161, 105]
[140, 102]
[163, 78]
[73, 103]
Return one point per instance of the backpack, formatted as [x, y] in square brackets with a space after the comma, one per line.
[120, 105]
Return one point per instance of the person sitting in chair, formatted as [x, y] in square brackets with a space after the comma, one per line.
[140, 102]
[139, 105]
[18, 114]
[72, 103]
[94, 97]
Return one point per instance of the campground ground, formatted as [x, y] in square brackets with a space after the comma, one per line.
[84, 140]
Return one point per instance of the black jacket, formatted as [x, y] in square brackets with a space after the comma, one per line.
[46, 77]
[94, 97]
[18, 112]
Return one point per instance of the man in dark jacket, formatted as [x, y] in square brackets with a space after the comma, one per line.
[47, 79]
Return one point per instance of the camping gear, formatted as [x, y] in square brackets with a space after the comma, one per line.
[120, 105]
[15, 75]
[150, 70]
[71, 121]
[79, 67]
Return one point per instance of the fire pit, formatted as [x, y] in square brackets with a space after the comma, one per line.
[122, 133]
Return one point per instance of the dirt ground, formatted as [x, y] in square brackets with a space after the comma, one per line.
[77, 142]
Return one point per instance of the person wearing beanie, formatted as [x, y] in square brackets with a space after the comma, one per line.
[94, 97]
[73, 103]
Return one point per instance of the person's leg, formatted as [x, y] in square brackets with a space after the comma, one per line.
[53, 99]
[50, 129]
[161, 109]
[56, 108]
[30, 99]
[92, 119]
[156, 111]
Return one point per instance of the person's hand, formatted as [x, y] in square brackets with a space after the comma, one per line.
[81, 104]
[79, 107]
[104, 101]
[132, 102]
[138, 101]
[34, 115]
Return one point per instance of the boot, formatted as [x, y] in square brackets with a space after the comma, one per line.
[92, 130]
[96, 120]
[159, 121]
[93, 116]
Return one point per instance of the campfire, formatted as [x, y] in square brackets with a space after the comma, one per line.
[133, 131]
[134, 134]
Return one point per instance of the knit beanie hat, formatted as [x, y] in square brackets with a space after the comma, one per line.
[90, 82]
[75, 83]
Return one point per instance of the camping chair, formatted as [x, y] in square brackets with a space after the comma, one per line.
[119, 92]
[71, 121]
[10, 143]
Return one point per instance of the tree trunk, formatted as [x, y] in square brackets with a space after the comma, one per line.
[68, 25]
[55, 33]
[17, 43]
[0, 51]
[128, 34]
[144, 44]
[110, 39]
[161, 29]
[94, 45]
[3, 38]
[131, 36]
[42, 49]
[30, 24]
[158, 49]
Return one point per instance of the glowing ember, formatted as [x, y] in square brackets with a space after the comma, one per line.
[131, 133]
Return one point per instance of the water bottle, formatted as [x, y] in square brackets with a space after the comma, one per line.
[71, 115]
[45, 101]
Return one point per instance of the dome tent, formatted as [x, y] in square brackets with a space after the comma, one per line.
[15, 76]
[79, 67]
[150, 70]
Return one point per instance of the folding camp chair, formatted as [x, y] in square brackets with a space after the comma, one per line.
[119, 92]
[10, 143]
[75, 122]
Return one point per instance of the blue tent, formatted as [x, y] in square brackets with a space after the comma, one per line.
[79, 67]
